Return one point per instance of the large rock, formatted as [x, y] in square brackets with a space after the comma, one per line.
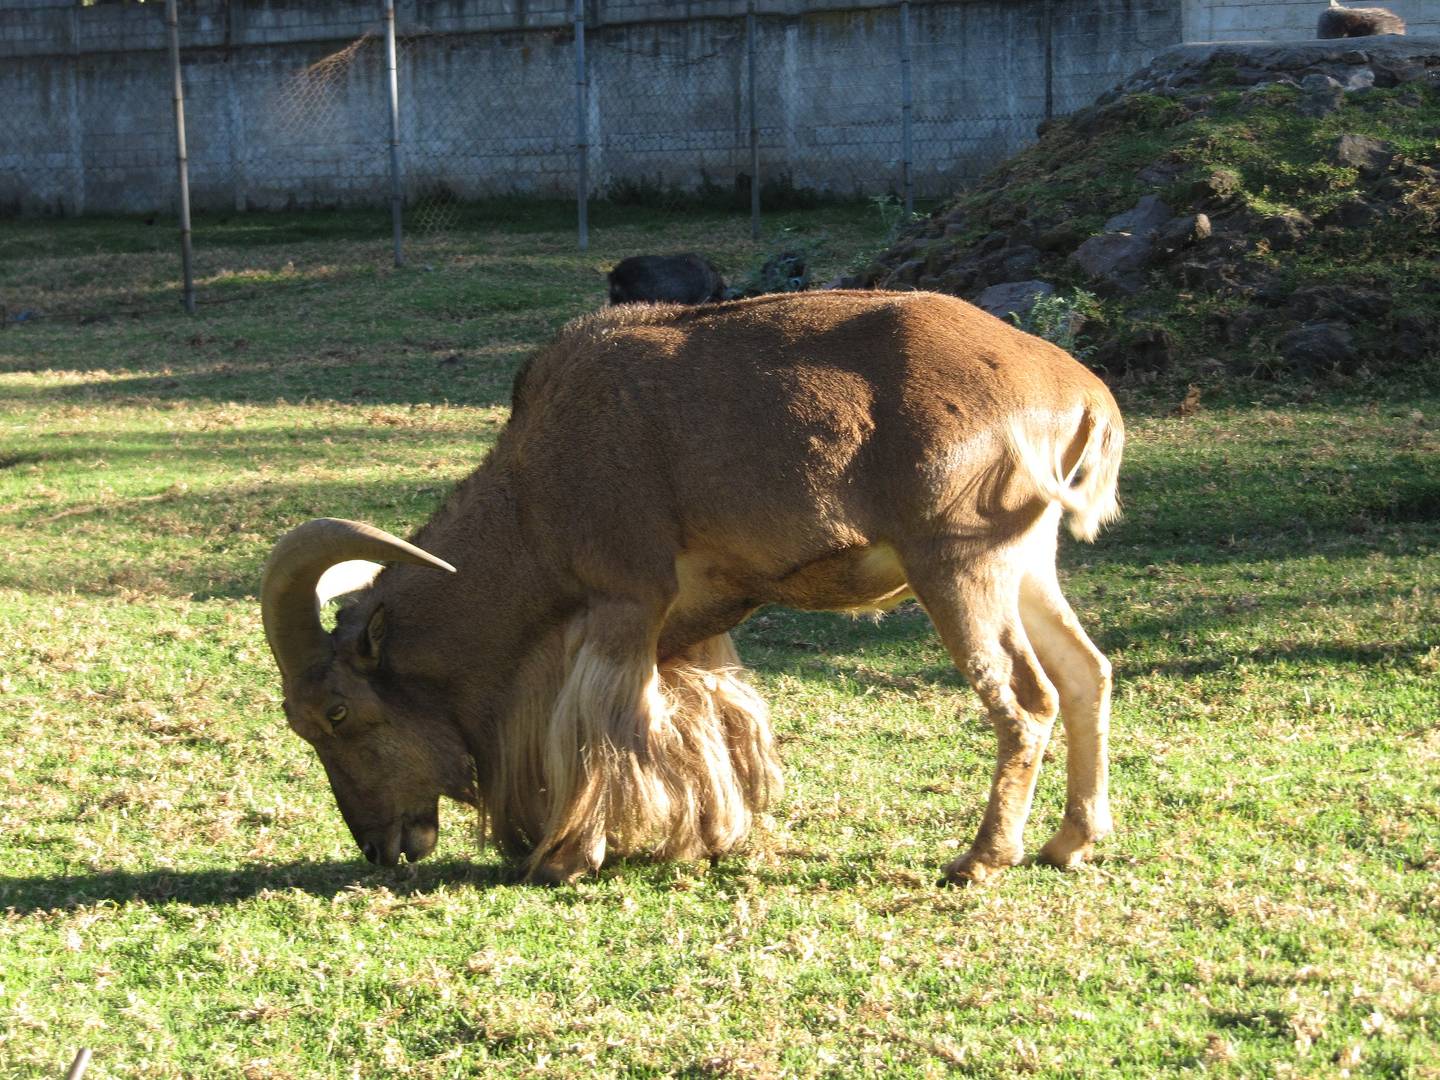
[1397, 70]
[1217, 188]
[1160, 173]
[1370, 156]
[1285, 231]
[1142, 219]
[907, 273]
[1062, 237]
[1334, 303]
[1019, 262]
[1116, 261]
[1182, 232]
[1143, 349]
[1319, 347]
[1354, 214]
[1390, 60]
[1321, 95]
[1013, 297]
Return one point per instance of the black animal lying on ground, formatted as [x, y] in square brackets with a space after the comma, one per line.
[1343, 22]
[677, 279]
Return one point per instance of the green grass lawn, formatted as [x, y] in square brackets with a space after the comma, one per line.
[179, 893]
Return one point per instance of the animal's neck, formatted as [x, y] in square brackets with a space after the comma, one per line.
[472, 628]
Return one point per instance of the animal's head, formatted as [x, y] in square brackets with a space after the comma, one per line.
[387, 747]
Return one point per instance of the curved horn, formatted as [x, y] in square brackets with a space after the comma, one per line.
[288, 604]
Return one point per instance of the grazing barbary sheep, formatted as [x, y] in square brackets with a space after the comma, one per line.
[674, 279]
[665, 472]
[1343, 22]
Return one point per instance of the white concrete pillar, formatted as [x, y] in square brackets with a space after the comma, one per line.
[1197, 20]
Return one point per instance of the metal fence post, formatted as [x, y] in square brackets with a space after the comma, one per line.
[1047, 16]
[75, 131]
[754, 126]
[906, 110]
[182, 164]
[582, 119]
[397, 198]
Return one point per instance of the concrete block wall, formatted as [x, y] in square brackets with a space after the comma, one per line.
[286, 99]
[1097, 39]
[489, 115]
[126, 132]
[979, 87]
[32, 28]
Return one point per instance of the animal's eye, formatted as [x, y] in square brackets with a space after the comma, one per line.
[336, 714]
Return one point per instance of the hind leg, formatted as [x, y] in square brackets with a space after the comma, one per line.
[974, 606]
[1081, 675]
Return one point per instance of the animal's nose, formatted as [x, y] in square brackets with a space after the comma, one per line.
[384, 851]
[419, 840]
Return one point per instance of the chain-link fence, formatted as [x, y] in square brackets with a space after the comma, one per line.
[755, 106]
[979, 115]
[830, 106]
[478, 125]
[60, 160]
[674, 118]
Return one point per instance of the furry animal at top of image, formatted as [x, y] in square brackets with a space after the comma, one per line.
[1339, 21]
[672, 279]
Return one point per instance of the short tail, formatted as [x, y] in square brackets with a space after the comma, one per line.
[1075, 462]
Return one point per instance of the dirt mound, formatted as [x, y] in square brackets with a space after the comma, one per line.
[1268, 210]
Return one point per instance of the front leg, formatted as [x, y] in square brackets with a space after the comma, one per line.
[604, 733]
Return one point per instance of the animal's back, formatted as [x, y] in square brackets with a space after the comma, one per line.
[910, 351]
[834, 412]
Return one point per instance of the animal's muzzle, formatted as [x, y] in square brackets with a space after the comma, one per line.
[412, 838]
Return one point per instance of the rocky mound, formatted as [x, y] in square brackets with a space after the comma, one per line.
[1267, 210]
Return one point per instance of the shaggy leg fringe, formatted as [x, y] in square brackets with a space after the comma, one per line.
[600, 758]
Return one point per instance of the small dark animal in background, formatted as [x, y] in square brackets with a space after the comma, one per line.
[675, 279]
[1343, 22]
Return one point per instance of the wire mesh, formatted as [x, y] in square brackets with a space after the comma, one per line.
[968, 119]
[829, 105]
[60, 155]
[1097, 44]
[483, 115]
[673, 109]
[315, 138]
[321, 125]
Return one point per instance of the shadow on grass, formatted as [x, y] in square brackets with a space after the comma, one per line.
[448, 376]
[279, 446]
[822, 646]
[223, 887]
[26, 895]
[1309, 656]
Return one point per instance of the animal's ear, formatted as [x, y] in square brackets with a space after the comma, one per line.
[368, 646]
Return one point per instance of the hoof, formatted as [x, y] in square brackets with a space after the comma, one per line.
[1070, 847]
[560, 864]
[972, 869]
[1062, 856]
